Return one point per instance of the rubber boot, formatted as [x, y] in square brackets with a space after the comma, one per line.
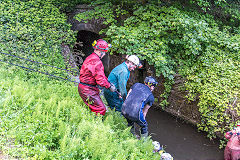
[132, 130]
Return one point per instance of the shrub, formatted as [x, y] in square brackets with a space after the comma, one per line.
[188, 43]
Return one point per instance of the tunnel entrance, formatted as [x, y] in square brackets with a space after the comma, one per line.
[162, 127]
[178, 137]
[83, 46]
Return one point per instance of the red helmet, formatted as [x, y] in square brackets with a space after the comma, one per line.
[101, 45]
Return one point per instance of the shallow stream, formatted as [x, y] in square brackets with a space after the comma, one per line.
[183, 141]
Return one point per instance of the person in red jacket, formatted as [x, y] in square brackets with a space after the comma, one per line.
[232, 150]
[91, 75]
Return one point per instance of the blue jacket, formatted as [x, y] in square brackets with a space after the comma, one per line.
[132, 107]
[119, 77]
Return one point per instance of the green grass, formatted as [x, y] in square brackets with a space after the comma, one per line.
[44, 118]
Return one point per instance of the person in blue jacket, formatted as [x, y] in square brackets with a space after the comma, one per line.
[119, 77]
[137, 103]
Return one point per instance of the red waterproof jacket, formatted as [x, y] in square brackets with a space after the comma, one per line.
[232, 150]
[92, 74]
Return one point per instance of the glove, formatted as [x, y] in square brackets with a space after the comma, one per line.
[112, 88]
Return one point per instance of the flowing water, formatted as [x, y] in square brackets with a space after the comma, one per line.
[181, 140]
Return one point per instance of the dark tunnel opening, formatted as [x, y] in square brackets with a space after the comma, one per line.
[83, 48]
[161, 125]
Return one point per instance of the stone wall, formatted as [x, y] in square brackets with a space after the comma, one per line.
[178, 105]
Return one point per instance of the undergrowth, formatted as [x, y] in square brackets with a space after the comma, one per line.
[47, 119]
[176, 39]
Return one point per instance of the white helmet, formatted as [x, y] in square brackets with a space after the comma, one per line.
[134, 59]
[157, 146]
[166, 156]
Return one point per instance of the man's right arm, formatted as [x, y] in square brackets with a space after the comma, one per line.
[145, 110]
[122, 83]
[98, 73]
[149, 103]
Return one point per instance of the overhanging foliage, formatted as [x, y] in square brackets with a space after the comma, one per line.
[185, 42]
[42, 118]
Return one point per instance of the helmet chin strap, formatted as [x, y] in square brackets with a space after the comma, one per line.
[102, 53]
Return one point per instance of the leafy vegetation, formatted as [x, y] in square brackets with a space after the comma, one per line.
[186, 42]
[42, 118]
[34, 30]
[46, 119]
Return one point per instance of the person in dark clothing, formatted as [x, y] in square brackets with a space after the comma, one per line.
[119, 77]
[137, 103]
[91, 75]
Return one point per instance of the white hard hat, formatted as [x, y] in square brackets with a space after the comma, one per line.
[166, 156]
[156, 145]
[134, 59]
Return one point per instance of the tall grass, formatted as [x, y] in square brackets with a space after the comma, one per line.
[44, 118]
